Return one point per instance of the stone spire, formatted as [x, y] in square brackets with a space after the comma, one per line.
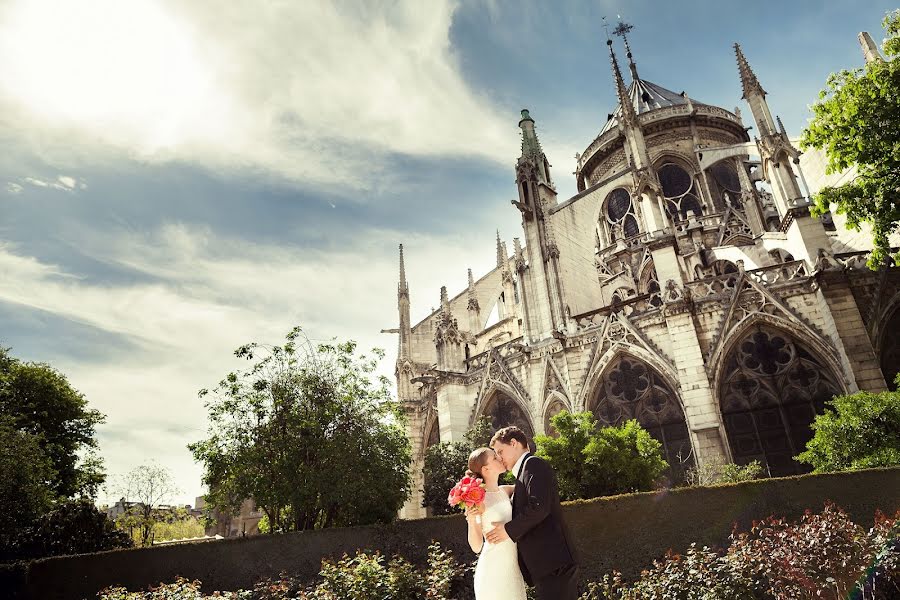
[445, 302]
[473, 299]
[869, 49]
[749, 82]
[531, 146]
[405, 329]
[520, 256]
[501, 254]
[402, 287]
[532, 153]
[628, 114]
[622, 30]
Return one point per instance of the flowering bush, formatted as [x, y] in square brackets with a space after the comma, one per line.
[182, 589]
[360, 577]
[822, 556]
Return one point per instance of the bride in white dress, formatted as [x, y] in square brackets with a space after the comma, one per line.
[497, 575]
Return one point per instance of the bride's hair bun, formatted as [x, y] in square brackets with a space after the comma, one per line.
[477, 459]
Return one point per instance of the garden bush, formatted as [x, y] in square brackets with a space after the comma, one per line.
[360, 577]
[593, 461]
[858, 431]
[821, 556]
[712, 473]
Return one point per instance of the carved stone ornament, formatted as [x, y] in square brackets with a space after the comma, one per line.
[673, 292]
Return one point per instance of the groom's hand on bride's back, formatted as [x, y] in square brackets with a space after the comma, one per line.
[498, 533]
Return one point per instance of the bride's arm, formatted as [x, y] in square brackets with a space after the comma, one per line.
[476, 535]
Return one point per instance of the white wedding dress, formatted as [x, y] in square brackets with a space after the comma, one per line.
[497, 575]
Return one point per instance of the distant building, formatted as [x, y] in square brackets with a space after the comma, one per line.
[245, 523]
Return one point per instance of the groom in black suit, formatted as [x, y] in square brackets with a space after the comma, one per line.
[546, 553]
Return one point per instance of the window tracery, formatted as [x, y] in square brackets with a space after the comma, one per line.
[650, 285]
[771, 390]
[631, 389]
[503, 411]
[728, 184]
[621, 221]
[680, 191]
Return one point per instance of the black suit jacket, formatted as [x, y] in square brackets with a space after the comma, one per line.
[537, 524]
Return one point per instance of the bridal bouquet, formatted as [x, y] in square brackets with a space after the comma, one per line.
[469, 492]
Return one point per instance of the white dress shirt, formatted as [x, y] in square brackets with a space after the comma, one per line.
[518, 465]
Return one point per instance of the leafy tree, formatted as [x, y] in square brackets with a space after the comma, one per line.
[308, 434]
[444, 465]
[177, 524]
[71, 527]
[591, 461]
[149, 487]
[25, 491]
[41, 402]
[858, 431]
[446, 462]
[857, 122]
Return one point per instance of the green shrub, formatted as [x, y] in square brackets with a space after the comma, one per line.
[446, 463]
[699, 574]
[713, 473]
[182, 589]
[821, 556]
[732, 473]
[858, 431]
[71, 527]
[592, 461]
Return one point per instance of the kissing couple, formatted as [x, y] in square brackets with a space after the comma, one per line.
[518, 531]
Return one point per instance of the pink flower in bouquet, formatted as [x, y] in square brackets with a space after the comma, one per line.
[467, 493]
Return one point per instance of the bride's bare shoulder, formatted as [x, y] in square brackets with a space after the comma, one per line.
[508, 489]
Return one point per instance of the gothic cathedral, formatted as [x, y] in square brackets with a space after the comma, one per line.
[686, 285]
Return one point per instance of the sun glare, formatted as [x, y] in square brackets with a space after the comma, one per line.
[127, 70]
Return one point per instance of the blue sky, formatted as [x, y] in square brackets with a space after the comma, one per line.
[178, 178]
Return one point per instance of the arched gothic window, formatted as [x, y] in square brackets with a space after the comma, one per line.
[771, 390]
[504, 411]
[620, 217]
[650, 285]
[554, 409]
[680, 191]
[890, 351]
[726, 181]
[630, 389]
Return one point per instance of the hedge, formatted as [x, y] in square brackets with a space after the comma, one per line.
[620, 532]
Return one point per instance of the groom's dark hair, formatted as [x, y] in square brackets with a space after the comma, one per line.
[508, 434]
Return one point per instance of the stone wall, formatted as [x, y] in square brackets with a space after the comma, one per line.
[622, 532]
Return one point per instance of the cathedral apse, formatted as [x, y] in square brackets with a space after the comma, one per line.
[686, 285]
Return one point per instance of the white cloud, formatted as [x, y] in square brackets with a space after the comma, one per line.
[312, 91]
[67, 182]
[14, 188]
[63, 183]
[207, 294]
